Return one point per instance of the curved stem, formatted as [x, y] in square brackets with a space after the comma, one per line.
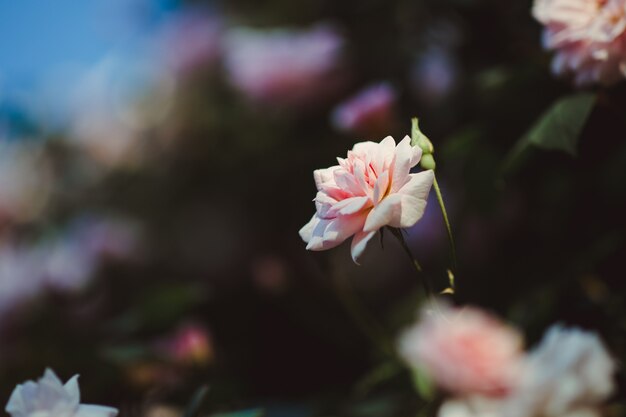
[446, 220]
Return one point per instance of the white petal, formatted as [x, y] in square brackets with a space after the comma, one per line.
[359, 242]
[307, 230]
[324, 176]
[88, 410]
[71, 387]
[16, 406]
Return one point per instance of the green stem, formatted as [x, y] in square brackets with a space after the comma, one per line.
[446, 220]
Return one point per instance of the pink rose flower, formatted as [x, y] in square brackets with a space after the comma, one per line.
[284, 66]
[464, 350]
[369, 111]
[370, 189]
[589, 37]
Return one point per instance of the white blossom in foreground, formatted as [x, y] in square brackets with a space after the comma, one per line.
[49, 397]
[570, 374]
[570, 371]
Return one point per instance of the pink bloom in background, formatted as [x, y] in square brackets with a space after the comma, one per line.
[371, 111]
[464, 350]
[588, 36]
[370, 189]
[190, 344]
[64, 263]
[284, 66]
[191, 40]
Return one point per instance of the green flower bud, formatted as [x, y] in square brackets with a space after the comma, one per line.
[420, 139]
[427, 161]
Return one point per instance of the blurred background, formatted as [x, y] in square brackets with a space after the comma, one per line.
[156, 164]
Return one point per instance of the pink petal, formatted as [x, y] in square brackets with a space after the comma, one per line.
[324, 176]
[343, 227]
[359, 174]
[349, 206]
[419, 185]
[359, 242]
[406, 157]
[381, 187]
[335, 192]
[365, 148]
[383, 155]
[396, 210]
[386, 212]
[348, 183]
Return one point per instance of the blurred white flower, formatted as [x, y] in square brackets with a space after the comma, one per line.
[569, 371]
[470, 407]
[48, 397]
[64, 263]
[569, 374]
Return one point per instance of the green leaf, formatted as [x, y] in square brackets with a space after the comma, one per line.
[557, 129]
[423, 385]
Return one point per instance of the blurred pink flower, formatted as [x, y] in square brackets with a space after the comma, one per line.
[464, 350]
[64, 263]
[283, 66]
[569, 374]
[370, 189]
[589, 37]
[191, 40]
[190, 344]
[371, 111]
[49, 397]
